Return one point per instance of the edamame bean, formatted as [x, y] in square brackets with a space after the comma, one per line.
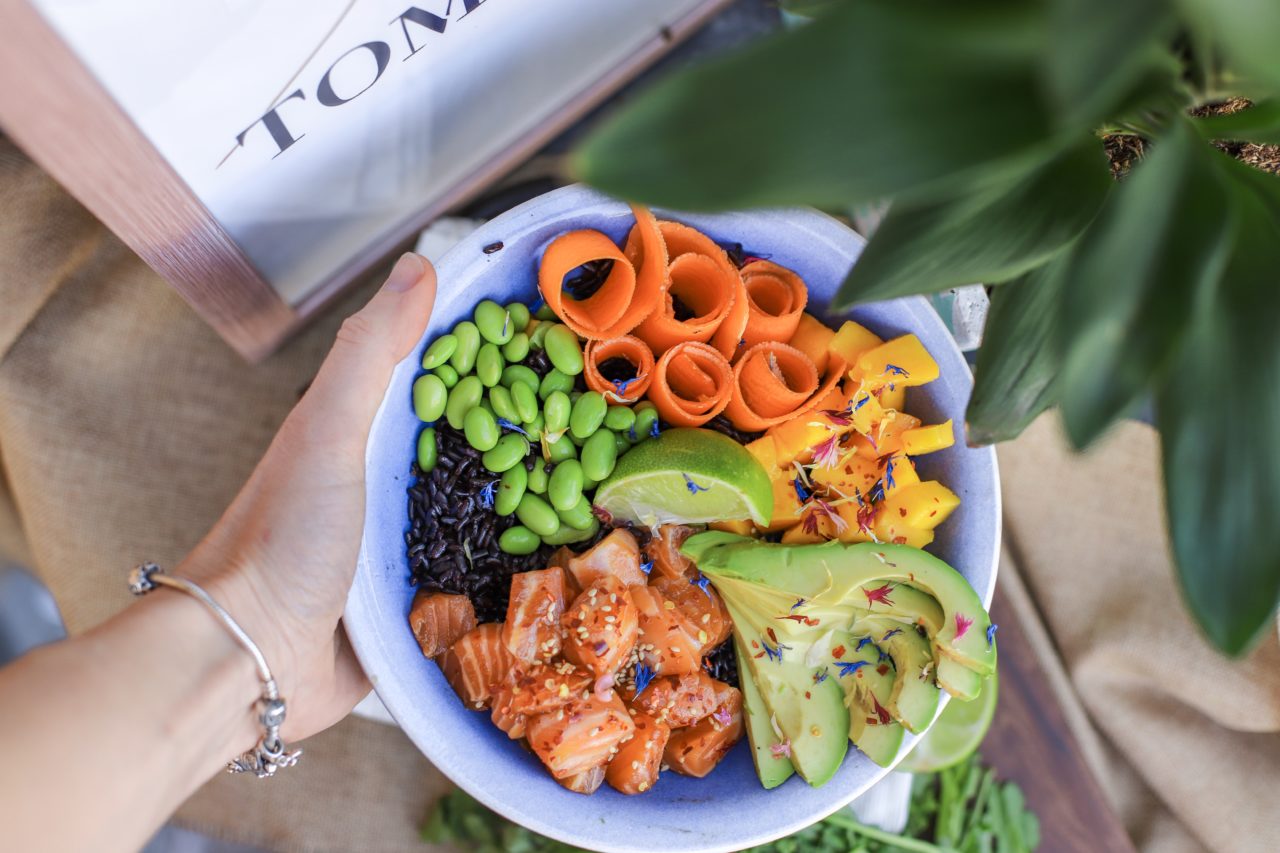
[494, 322]
[619, 418]
[537, 515]
[481, 429]
[519, 373]
[643, 427]
[465, 397]
[427, 449]
[525, 401]
[578, 516]
[464, 357]
[561, 449]
[503, 406]
[544, 312]
[506, 454]
[563, 349]
[519, 541]
[599, 455]
[489, 365]
[588, 484]
[484, 404]
[588, 414]
[567, 535]
[514, 482]
[555, 381]
[439, 351]
[564, 489]
[557, 410]
[520, 315]
[533, 428]
[538, 336]
[538, 477]
[429, 397]
[620, 442]
[517, 348]
[447, 375]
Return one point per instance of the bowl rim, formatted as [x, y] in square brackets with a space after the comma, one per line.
[358, 616]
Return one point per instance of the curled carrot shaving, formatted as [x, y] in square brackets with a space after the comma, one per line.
[776, 298]
[629, 292]
[630, 349]
[775, 382]
[701, 280]
[692, 384]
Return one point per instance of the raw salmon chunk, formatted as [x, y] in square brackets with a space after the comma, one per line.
[680, 700]
[541, 688]
[581, 736]
[668, 638]
[476, 663]
[617, 554]
[532, 630]
[697, 749]
[702, 605]
[663, 551]
[635, 768]
[601, 627]
[586, 782]
[438, 619]
[513, 724]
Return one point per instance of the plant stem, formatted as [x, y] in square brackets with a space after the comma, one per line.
[883, 837]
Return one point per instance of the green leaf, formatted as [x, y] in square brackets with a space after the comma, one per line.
[880, 98]
[1247, 31]
[1259, 123]
[1014, 379]
[990, 235]
[1219, 418]
[1161, 240]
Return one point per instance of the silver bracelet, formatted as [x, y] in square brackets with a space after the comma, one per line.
[270, 754]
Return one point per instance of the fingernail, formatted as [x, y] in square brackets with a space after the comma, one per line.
[407, 272]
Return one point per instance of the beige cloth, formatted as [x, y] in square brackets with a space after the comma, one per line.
[126, 426]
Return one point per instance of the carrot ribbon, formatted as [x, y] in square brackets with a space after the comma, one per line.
[774, 382]
[776, 298]
[692, 384]
[628, 348]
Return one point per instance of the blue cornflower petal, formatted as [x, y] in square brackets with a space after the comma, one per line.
[848, 668]
[644, 675]
[487, 494]
[646, 566]
[693, 487]
[991, 635]
[506, 424]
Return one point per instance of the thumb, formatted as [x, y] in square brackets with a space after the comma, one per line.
[353, 379]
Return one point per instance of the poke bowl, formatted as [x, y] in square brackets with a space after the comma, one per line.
[728, 808]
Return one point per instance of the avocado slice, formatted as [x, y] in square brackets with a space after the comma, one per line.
[913, 702]
[903, 602]
[835, 573]
[808, 709]
[772, 769]
[867, 691]
[957, 679]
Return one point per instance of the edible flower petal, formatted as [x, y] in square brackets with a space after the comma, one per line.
[962, 625]
[693, 487]
[487, 493]
[508, 425]
[991, 634]
[848, 668]
[644, 675]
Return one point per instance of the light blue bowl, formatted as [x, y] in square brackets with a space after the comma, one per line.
[728, 810]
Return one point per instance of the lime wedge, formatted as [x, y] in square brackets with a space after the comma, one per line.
[687, 476]
[957, 733]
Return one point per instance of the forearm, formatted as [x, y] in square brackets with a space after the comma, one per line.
[104, 735]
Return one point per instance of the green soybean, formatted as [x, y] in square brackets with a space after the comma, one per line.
[588, 484]
[465, 397]
[489, 365]
[545, 313]
[464, 357]
[517, 348]
[537, 515]
[588, 414]
[560, 449]
[578, 516]
[518, 373]
[427, 449]
[494, 322]
[568, 535]
[563, 349]
[557, 410]
[519, 315]
[481, 429]
[620, 443]
[533, 428]
[503, 405]
[525, 401]
[538, 478]
[564, 489]
[645, 419]
[439, 351]
[429, 397]
[555, 381]
[539, 334]
[514, 482]
[508, 453]
[447, 375]
[619, 418]
[519, 540]
[599, 455]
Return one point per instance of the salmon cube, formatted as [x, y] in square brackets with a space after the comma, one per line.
[635, 768]
[438, 619]
[513, 724]
[702, 605]
[580, 736]
[476, 664]
[532, 630]
[679, 701]
[601, 627]
[668, 638]
[586, 782]
[617, 554]
[542, 688]
[697, 749]
[560, 558]
[663, 551]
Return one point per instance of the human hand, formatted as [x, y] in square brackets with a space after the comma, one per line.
[282, 557]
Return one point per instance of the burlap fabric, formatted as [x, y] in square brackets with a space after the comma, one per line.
[126, 426]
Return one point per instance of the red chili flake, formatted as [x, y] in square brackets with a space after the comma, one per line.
[757, 657]
[866, 514]
[899, 540]
[772, 636]
[932, 514]
[902, 511]
[883, 668]
[880, 596]
[754, 644]
[838, 652]
[881, 713]
[807, 695]
[962, 625]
